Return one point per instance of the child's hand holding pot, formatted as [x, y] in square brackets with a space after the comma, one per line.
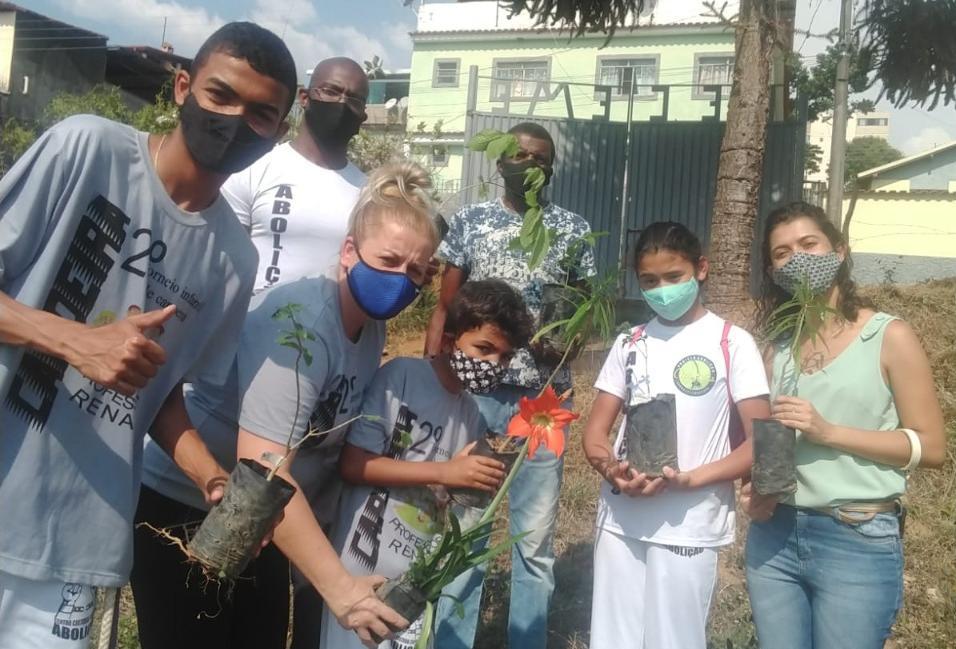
[626, 480]
[471, 471]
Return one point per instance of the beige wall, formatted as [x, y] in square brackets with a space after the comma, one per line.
[890, 185]
[899, 224]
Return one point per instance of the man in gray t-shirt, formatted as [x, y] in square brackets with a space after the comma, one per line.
[98, 221]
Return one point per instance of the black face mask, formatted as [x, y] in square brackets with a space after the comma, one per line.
[223, 144]
[512, 173]
[331, 122]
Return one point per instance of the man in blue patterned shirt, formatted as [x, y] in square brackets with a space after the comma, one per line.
[477, 247]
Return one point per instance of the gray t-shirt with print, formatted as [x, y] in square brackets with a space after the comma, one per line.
[86, 231]
[380, 528]
[260, 395]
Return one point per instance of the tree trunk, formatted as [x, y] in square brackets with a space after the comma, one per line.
[741, 162]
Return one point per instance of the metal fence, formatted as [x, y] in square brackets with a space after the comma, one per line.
[621, 179]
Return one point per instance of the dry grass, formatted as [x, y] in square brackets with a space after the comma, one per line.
[928, 618]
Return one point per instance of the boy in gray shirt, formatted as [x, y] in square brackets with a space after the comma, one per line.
[423, 426]
[123, 272]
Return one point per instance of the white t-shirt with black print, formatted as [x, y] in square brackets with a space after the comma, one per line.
[86, 231]
[296, 212]
[380, 528]
[687, 362]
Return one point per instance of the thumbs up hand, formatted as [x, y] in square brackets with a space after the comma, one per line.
[120, 355]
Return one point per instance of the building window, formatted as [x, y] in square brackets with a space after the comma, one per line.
[446, 73]
[623, 74]
[439, 156]
[872, 121]
[712, 70]
[522, 77]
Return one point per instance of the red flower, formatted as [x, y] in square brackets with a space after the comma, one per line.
[543, 421]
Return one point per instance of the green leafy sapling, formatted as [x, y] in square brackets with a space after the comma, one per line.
[534, 238]
[297, 337]
[798, 321]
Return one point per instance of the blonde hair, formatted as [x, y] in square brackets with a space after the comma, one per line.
[397, 191]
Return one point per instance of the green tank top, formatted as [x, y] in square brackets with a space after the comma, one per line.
[849, 391]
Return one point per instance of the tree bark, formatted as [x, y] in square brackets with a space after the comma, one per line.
[740, 169]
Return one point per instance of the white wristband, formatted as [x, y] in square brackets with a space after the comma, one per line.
[916, 449]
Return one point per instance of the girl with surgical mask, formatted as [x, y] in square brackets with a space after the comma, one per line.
[825, 564]
[655, 554]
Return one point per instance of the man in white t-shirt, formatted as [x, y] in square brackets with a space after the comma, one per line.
[296, 201]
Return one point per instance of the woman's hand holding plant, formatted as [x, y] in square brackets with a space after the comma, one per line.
[466, 471]
[357, 608]
[800, 414]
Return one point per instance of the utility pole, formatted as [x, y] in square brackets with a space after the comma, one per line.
[840, 116]
[162, 41]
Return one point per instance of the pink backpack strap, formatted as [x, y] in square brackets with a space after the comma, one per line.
[636, 334]
[736, 428]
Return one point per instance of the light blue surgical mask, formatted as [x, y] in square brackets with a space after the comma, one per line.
[671, 302]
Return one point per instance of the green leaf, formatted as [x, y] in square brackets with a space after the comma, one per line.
[427, 623]
[307, 357]
[489, 554]
[539, 248]
[483, 191]
[531, 199]
[480, 141]
[547, 328]
[504, 145]
[534, 178]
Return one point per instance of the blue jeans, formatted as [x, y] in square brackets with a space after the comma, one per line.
[818, 583]
[533, 506]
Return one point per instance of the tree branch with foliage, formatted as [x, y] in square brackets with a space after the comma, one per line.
[580, 17]
[911, 48]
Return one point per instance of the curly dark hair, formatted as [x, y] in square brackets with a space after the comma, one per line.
[772, 296]
[490, 301]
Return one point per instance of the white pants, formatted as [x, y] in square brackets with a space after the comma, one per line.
[44, 614]
[649, 596]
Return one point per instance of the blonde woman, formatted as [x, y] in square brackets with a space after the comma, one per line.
[383, 263]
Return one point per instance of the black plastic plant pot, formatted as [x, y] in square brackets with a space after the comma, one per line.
[774, 469]
[403, 597]
[476, 497]
[558, 302]
[651, 436]
[232, 532]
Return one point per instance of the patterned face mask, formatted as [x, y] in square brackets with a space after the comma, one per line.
[478, 376]
[818, 270]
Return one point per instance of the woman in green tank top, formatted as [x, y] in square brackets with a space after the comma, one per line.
[824, 564]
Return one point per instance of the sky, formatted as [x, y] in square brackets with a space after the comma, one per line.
[360, 29]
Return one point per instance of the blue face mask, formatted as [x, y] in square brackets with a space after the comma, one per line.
[382, 294]
[671, 302]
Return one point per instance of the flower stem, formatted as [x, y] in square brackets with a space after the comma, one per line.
[489, 512]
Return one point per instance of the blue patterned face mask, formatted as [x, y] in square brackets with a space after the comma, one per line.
[818, 271]
[671, 302]
[382, 294]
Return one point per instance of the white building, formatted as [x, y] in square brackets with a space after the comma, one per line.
[820, 133]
